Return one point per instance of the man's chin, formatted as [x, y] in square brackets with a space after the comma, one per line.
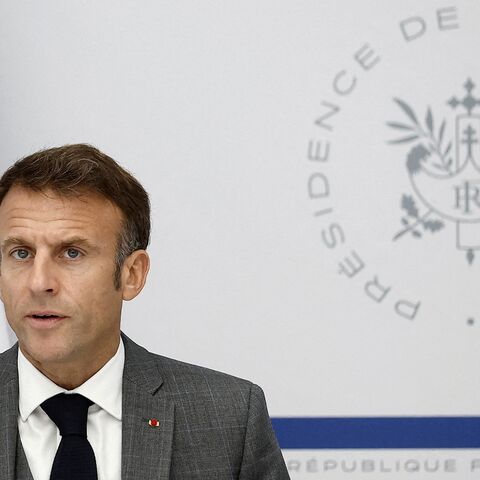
[47, 351]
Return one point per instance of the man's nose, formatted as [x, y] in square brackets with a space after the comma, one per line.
[43, 276]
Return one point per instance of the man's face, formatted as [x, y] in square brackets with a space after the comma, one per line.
[57, 274]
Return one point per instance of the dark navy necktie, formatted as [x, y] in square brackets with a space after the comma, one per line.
[74, 459]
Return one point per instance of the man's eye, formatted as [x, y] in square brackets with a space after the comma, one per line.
[72, 253]
[20, 254]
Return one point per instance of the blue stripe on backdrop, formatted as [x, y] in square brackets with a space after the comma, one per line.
[378, 432]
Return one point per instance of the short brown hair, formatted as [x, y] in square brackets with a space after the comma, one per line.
[75, 169]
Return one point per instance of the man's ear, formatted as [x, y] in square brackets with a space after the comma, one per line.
[1, 285]
[134, 274]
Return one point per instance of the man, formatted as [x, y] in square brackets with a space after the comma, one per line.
[78, 399]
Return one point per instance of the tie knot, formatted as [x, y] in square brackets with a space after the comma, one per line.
[69, 413]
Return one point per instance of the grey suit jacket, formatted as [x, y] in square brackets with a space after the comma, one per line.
[211, 425]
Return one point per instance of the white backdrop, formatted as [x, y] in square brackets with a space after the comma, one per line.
[260, 131]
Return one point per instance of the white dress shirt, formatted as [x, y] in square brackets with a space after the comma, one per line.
[40, 436]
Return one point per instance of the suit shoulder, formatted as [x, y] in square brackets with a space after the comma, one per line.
[8, 364]
[184, 378]
[9, 355]
[183, 373]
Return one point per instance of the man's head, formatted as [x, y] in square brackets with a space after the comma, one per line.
[74, 227]
[73, 170]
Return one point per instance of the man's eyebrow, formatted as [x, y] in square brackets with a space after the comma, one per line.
[12, 241]
[80, 241]
[76, 240]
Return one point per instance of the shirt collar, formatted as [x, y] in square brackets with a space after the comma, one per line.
[104, 388]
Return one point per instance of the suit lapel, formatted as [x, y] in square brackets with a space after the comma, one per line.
[8, 412]
[146, 449]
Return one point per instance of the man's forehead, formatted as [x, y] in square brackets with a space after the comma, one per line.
[23, 207]
[49, 193]
[50, 200]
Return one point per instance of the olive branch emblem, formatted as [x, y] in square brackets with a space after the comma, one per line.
[430, 154]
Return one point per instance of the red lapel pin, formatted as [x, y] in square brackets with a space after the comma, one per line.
[153, 422]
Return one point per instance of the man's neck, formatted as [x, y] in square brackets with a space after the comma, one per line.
[70, 375]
